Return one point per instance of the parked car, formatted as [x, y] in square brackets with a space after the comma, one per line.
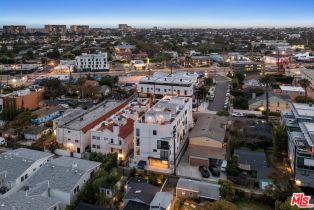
[236, 114]
[2, 141]
[214, 170]
[223, 166]
[204, 171]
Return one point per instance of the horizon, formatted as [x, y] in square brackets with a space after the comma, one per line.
[173, 14]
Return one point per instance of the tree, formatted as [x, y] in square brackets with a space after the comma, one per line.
[280, 139]
[233, 166]
[226, 191]
[220, 205]
[286, 205]
[108, 80]
[267, 80]
[305, 84]
[240, 102]
[53, 88]
[240, 76]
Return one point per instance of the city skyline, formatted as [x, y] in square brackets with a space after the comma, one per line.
[174, 14]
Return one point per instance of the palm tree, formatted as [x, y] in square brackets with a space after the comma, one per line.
[267, 80]
[304, 83]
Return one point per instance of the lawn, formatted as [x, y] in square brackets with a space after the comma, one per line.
[249, 205]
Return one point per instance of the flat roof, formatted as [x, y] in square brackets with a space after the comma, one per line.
[291, 88]
[308, 72]
[14, 163]
[302, 110]
[205, 190]
[175, 78]
[209, 125]
[79, 118]
[62, 173]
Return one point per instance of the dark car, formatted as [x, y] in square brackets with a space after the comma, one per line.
[204, 171]
[214, 170]
[141, 164]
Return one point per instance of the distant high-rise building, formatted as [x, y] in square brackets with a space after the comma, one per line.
[81, 29]
[56, 29]
[124, 27]
[14, 29]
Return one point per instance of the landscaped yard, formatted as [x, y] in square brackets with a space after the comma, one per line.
[249, 205]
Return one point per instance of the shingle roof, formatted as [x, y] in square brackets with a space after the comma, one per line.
[132, 205]
[143, 191]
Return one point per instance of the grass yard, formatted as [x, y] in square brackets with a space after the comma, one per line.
[249, 205]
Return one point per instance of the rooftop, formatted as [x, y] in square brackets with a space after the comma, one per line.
[308, 72]
[162, 199]
[36, 130]
[205, 190]
[14, 163]
[307, 129]
[256, 161]
[302, 110]
[175, 78]
[79, 118]
[47, 110]
[291, 88]
[210, 125]
[21, 201]
[165, 110]
[62, 173]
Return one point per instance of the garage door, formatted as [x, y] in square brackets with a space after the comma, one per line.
[198, 161]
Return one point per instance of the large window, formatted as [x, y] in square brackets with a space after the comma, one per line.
[163, 154]
[162, 145]
[137, 132]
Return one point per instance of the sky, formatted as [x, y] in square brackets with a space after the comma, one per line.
[161, 13]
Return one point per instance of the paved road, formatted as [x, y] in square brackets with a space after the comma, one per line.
[220, 94]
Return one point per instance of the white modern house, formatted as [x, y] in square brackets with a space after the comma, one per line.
[62, 178]
[115, 134]
[17, 166]
[162, 132]
[178, 84]
[92, 62]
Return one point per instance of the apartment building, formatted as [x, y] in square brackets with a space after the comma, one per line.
[246, 66]
[161, 84]
[309, 75]
[92, 62]
[80, 29]
[17, 166]
[162, 132]
[299, 121]
[14, 29]
[115, 135]
[73, 129]
[26, 98]
[55, 29]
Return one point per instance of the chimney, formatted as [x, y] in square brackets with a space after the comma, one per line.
[253, 95]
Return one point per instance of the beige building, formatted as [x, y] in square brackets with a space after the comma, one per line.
[277, 102]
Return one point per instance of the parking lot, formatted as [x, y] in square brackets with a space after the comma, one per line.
[185, 170]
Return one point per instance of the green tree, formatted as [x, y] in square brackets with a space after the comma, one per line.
[108, 80]
[226, 191]
[240, 102]
[53, 88]
[285, 205]
[280, 139]
[305, 84]
[240, 76]
[233, 166]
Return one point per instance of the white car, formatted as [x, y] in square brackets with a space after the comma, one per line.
[236, 114]
[223, 166]
[2, 141]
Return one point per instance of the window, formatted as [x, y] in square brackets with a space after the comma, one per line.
[120, 151]
[185, 92]
[137, 132]
[93, 137]
[120, 142]
[26, 176]
[22, 178]
[34, 169]
[163, 154]
[98, 146]
[162, 145]
[93, 146]
[154, 150]
[76, 141]
[69, 131]
[111, 140]
[98, 138]
[154, 132]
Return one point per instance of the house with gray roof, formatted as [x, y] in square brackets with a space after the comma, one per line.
[62, 178]
[17, 166]
[22, 201]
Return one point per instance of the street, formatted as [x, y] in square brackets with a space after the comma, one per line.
[220, 94]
